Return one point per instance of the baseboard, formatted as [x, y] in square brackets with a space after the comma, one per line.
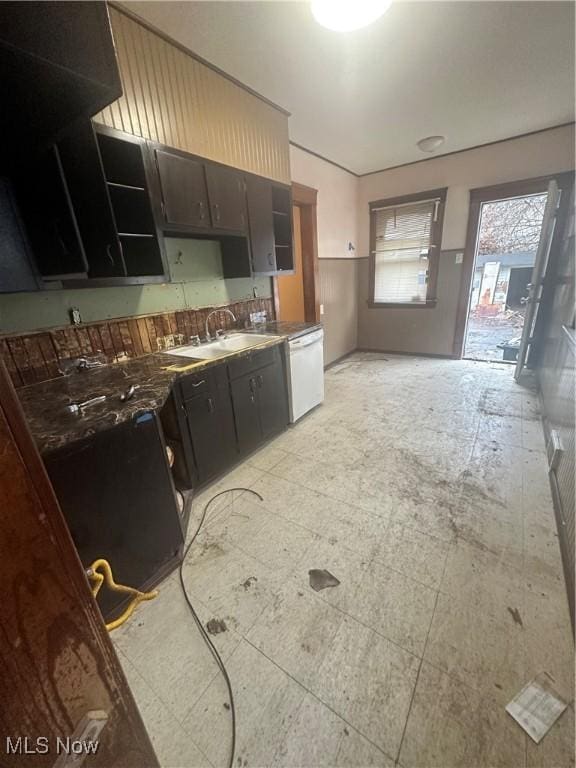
[339, 359]
[406, 354]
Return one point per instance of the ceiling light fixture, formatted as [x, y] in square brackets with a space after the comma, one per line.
[431, 143]
[347, 15]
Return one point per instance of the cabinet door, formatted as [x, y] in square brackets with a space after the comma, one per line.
[246, 415]
[59, 65]
[212, 432]
[183, 187]
[202, 416]
[16, 270]
[48, 214]
[261, 225]
[272, 402]
[84, 176]
[226, 196]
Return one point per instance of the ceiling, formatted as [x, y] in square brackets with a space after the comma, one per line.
[475, 72]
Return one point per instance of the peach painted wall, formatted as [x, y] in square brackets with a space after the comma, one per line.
[338, 267]
[431, 331]
[540, 154]
[337, 202]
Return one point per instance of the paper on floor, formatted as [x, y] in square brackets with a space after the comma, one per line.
[537, 707]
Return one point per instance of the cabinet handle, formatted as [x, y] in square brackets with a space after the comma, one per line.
[270, 259]
[198, 383]
[252, 385]
[109, 253]
[210, 403]
[163, 207]
[201, 213]
[260, 381]
[217, 211]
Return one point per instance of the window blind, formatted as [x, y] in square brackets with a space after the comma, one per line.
[402, 249]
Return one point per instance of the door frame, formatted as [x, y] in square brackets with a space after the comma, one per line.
[305, 198]
[481, 195]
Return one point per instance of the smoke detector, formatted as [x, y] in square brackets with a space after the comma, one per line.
[431, 143]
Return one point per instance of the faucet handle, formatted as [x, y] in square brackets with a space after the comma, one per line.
[195, 340]
[220, 333]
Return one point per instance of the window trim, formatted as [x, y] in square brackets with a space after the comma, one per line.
[435, 245]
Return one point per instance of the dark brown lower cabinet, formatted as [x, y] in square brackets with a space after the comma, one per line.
[271, 394]
[226, 412]
[246, 417]
[211, 426]
[116, 492]
[259, 397]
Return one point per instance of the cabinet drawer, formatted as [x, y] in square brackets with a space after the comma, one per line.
[253, 361]
[196, 384]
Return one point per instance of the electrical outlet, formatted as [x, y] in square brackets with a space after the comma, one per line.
[75, 316]
[458, 258]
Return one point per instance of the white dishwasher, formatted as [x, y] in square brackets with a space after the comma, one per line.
[305, 373]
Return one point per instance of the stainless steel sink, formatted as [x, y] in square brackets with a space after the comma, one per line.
[236, 342]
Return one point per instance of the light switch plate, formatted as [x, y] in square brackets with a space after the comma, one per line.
[458, 258]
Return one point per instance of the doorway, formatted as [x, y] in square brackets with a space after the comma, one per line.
[504, 229]
[296, 295]
[508, 236]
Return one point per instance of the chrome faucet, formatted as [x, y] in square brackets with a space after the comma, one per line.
[214, 312]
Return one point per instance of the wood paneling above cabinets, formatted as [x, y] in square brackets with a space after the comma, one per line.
[172, 98]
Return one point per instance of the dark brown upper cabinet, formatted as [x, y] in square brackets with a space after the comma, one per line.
[82, 167]
[49, 217]
[58, 65]
[183, 188]
[127, 168]
[17, 270]
[260, 225]
[87, 210]
[282, 225]
[226, 197]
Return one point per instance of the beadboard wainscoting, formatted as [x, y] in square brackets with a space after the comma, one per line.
[172, 97]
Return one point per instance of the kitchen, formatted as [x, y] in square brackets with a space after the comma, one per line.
[208, 410]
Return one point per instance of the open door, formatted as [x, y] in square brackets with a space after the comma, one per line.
[536, 283]
[59, 675]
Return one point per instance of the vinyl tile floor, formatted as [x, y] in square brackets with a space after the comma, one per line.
[422, 486]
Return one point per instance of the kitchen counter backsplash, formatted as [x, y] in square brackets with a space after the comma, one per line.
[37, 357]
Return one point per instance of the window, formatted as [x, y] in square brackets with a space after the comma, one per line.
[405, 235]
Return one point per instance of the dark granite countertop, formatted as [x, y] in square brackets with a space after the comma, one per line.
[288, 329]
[53, 426]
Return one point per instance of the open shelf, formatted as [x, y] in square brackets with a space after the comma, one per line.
[122, 161]
[141, 255]
[125, 186]
[132, 210]
[284, 258]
